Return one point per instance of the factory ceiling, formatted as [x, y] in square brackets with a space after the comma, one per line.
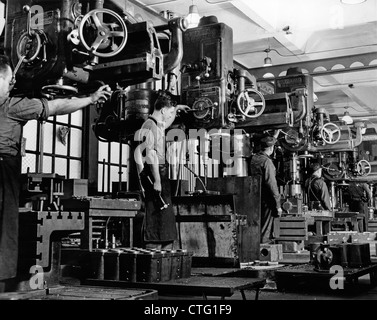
[335, 42]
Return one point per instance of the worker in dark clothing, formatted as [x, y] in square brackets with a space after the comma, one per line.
[159, 227]
[318, 192]
[357, 196]
[261, 164]
[15, 112]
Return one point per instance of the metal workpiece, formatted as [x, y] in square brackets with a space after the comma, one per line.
[37, 231]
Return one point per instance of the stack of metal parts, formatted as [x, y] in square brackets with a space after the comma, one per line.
[139, 265]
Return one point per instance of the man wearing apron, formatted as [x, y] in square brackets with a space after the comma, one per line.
[159, 228]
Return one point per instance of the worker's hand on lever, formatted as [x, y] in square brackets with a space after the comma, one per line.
[276, 133]
[280, 211]
[101, 95]
[182, 107]
[157, 186]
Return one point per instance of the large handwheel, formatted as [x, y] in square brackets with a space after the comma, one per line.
[202, 107]
[29, 45]
[54, 91]
[251, 103]
[293, 141]
[58, 90]
[363, 167]
[99, 37]
[333, 171]
[330, 133]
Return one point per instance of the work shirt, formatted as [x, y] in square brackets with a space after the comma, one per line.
[14, 114]
[318, 191]
[359, 191]
[154, 133]
[262, 164]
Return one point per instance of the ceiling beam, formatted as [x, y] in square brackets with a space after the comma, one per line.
[365, 59]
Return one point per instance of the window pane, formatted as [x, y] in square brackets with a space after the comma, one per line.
[115, 175]
[60, 148]
[48, 137]
[62, 118]
[75, 169]
[114, 157]
[103, 148]
[76, 139]
[47, 164]
[29, 161]
[125, 154]
[61, 166]
[30, 134]
[76, 118]
[102, 178]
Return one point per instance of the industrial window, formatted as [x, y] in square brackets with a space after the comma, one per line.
[113, 164]
[54, 146]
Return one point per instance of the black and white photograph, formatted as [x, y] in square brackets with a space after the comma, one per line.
[188, 158]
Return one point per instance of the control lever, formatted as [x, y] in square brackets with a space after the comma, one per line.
[18, 65]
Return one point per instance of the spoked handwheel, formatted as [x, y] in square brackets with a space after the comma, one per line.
[30, 45]
[54, 91]
[363, 168]
[103, 32]
[251, 103]
[333, 171]
[293, 141]
[330, 133]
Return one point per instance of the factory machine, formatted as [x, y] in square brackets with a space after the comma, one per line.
[68, 47]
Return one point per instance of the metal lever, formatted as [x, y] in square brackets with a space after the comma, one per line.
[26, 8]
[18, 65]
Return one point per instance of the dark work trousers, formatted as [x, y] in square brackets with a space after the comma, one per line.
[159, 225]
[10, 172]
[267, 222]
[361, 207]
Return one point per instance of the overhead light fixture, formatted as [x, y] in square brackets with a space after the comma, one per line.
[352, 1]
[267, 60]
[347, 118]
[193, 16]
[287, 31]
[364, 125]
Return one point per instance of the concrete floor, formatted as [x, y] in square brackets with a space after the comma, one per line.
[363, 293]
[363, 290]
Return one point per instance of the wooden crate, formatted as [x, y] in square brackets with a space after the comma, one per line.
[247, 195]
[207, 227]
